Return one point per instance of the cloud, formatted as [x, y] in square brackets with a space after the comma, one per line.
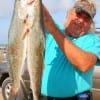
[6, 6]
[56, 5]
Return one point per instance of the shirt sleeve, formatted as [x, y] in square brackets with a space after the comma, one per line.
[93, 45]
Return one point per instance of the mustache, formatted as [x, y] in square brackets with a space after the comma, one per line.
[77, 23]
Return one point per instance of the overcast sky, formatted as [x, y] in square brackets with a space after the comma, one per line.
[57, 8]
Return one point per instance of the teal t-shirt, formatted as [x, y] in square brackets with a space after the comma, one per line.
[60, 78]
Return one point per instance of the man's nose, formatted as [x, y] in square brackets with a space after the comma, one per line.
[80, 20]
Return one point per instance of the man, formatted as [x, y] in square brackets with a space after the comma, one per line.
[70, 55]
[71, 52]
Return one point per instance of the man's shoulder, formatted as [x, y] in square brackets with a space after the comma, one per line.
[91, 43]
[88, 40]
[93, 37]
[90, 37]
[92, 34]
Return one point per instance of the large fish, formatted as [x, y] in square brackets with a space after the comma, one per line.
[26, 40]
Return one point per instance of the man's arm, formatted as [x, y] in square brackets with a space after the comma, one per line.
[80, 59]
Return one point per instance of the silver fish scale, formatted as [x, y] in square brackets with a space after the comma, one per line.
[26, 40]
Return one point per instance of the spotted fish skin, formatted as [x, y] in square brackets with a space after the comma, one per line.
[26, 40]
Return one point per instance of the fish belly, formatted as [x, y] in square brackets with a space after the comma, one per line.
[26, 40]
[35, 51]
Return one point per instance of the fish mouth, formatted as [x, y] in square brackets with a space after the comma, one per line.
[30, 2]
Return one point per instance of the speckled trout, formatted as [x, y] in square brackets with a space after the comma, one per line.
[26, 40]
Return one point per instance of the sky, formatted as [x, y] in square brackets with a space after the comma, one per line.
[57, 8]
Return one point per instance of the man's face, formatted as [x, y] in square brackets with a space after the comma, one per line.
[77, 23]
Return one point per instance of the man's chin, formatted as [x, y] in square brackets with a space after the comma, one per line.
[72, 35]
